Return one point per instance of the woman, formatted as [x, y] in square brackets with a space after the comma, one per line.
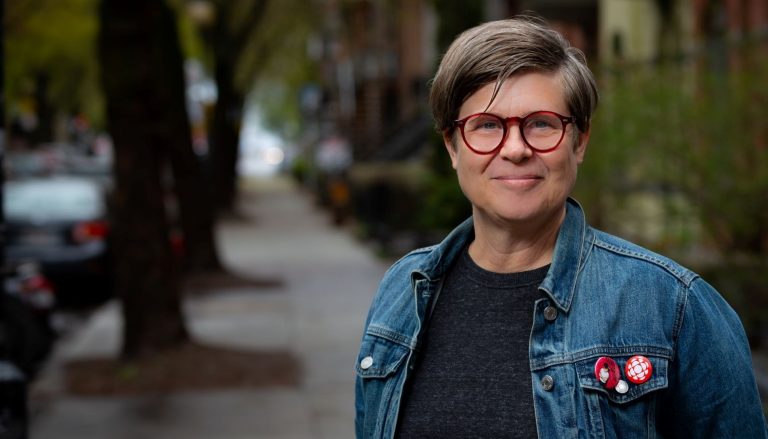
[525, 321]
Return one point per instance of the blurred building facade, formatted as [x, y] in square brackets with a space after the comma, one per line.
[378, 55]
[375, 59]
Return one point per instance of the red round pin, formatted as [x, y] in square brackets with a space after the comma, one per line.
[638, 369]
[607, 372]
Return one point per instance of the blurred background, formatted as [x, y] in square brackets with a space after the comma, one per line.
[129, 132]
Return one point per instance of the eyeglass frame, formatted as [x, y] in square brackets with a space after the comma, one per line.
[564, 119]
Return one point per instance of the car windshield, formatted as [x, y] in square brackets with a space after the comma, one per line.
[53, 200]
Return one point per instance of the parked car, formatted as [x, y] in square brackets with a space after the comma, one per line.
[14, 417]
[62, 224]
[28, 285]
[27, 337]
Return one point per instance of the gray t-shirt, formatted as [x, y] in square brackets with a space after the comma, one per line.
[472, 377]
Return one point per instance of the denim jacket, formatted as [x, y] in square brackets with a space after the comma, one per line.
[611, 299]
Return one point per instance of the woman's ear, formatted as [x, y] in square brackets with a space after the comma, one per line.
[450, 146]
[580, 148]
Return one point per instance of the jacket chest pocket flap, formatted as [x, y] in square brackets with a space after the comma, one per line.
[589, 382]
[379, 357]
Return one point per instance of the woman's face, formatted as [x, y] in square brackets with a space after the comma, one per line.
[517, 185]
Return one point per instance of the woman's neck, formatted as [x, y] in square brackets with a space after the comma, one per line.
[504, 247]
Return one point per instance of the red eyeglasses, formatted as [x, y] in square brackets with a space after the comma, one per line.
[542, 131]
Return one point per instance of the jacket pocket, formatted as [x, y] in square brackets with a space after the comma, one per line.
[380, 373]
[588, 382]
[610, 414]
[379, 357]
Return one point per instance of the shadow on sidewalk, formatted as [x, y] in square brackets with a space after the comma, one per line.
[189, 367]
[205, 283]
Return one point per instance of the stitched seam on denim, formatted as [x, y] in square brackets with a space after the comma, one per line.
[390, 335]
[632, 394]
[389, 391]
[583, 262]
[429, 308]
[383, 370]
[683, 275]
[557, 359]
[414, 253]
[677, 327]
[580, 263]
[427, 249]
[651, 420]
[593, 408]
[400, 390]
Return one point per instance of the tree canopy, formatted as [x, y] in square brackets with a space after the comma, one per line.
[56, 39]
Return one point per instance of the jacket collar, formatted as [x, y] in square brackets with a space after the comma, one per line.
[571, 250]
[442, 256]
[574, 240]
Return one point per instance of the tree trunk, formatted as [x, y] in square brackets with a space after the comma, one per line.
[196, 211]
[132, 57]
[225, 136]
[234, 26]
[228, 112]
[44, 131]
[193, 195]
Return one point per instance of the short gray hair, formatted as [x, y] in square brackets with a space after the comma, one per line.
[497, 50]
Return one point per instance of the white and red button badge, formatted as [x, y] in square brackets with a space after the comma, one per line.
[638, 370]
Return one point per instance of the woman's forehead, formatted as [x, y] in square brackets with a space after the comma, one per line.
[530, 91]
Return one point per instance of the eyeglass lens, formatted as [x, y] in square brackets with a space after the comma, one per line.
[485, 132]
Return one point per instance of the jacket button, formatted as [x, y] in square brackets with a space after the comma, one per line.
[550, 313]
[547, 383]
[366, 362]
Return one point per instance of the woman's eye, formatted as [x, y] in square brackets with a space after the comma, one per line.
[541, 123]
[490, 125]
[486, 124]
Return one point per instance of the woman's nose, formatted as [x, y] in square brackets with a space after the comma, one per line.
[514, 147]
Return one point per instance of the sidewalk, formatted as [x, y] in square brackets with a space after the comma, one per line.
[329, 280]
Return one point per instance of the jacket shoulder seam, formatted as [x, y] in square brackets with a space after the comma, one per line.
[391, 335]
[685, 276]
[415, 253]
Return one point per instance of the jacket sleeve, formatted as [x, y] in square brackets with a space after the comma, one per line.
[359, 388]
[359, 408]
[712, 390]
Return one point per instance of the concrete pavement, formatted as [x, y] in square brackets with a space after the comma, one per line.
[329, 280]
